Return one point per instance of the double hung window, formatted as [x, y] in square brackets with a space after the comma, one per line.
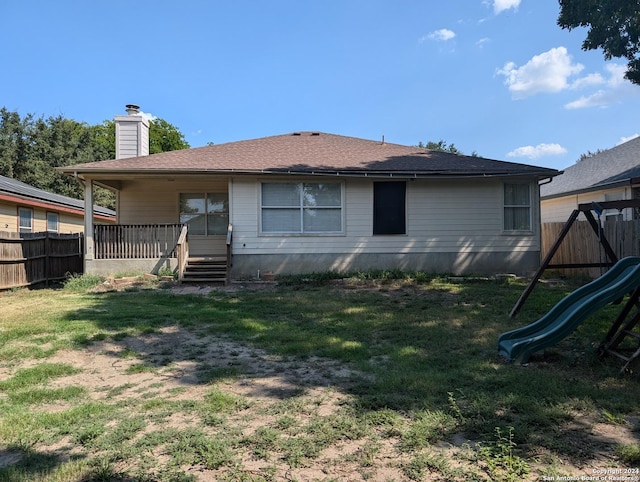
[205, 214]
[25, 220]
[52, 222]
[301, 207]
[517, 207]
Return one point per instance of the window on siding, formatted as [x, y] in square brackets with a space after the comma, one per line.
[52, 222]
[517, 207]
[205, 214]
[25, 221]
[613, 214]
[304, 207]
[389, 207]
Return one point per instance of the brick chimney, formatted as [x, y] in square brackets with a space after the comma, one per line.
[132, 133]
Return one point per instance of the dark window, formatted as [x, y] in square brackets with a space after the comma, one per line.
[53, 222]
[25, 220]
[389, 207]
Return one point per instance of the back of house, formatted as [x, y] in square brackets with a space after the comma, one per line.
[313, 201]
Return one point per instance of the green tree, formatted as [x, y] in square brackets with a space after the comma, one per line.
[14, 142]
[439, 146]
[614, 26]
[31, 148]
[164, 137]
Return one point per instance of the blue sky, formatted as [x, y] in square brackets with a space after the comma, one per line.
[497, 77]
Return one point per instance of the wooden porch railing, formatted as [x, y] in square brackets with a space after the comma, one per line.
[128, 241]
[182, 251]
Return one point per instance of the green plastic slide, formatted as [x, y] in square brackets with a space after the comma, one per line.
[571, 311]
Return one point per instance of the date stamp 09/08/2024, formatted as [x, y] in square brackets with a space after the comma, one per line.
[602, 475]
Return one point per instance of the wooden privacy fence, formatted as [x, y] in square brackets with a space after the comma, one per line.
[30, 258]
[583, 246]
[129, 241]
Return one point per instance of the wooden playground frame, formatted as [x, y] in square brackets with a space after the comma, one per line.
[623, 325]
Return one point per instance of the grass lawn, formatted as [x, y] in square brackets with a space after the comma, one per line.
[367, 378]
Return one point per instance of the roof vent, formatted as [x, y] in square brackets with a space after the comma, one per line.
[133, 109]
[315, 133]
[296, 134]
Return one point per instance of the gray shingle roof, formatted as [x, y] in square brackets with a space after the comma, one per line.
[607, 168]
[28, 192]
[313, 152]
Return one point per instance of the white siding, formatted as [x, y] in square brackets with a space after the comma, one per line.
[442, 216]
[158, 202]
[132, 136]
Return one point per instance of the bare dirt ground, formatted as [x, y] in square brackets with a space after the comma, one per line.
[265, 381]
[268, 380]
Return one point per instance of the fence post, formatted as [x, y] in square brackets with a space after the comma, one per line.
[47, 253]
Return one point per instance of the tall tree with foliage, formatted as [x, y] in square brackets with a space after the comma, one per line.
[14, 142]
[442, 146]
[614, 26]
[31, 148]
[163, 137]
[439, 146]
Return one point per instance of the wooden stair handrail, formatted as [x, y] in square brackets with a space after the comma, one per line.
[182, 251]
[229, 253]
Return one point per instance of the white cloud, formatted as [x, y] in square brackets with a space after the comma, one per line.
[627, 139]
[482, 42]
[546, 72]
[541, 150]
[588, 81]
[148, 117]
[601, 98]
[500, 6]
[614, 89]
[442, 35]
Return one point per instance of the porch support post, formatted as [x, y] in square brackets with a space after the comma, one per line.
[88, 222]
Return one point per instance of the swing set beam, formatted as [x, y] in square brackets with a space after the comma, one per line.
[587, 210]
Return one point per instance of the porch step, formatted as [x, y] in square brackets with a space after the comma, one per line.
[208, 269]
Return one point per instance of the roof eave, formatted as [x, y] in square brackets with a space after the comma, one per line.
[597, 187]
[88, 173]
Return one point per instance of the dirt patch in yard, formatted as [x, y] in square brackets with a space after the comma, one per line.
[280, 394]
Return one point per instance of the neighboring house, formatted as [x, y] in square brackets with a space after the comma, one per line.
[26, 209]
[611, 175]
[312, 202]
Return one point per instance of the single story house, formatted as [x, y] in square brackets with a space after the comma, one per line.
[611, 175]
[27, 209]
[312, 202]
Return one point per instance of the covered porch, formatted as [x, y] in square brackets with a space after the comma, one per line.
[178, 224]
[156, 248]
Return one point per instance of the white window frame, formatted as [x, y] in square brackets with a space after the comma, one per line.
[206, 214]
[55, 218]
[506, 206]
[21, 228]
[302, 209]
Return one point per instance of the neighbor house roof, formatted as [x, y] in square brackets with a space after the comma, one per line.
[619, 165]
[21, 193]
[312, 153]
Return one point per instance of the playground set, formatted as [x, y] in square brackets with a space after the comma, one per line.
[622, 278]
